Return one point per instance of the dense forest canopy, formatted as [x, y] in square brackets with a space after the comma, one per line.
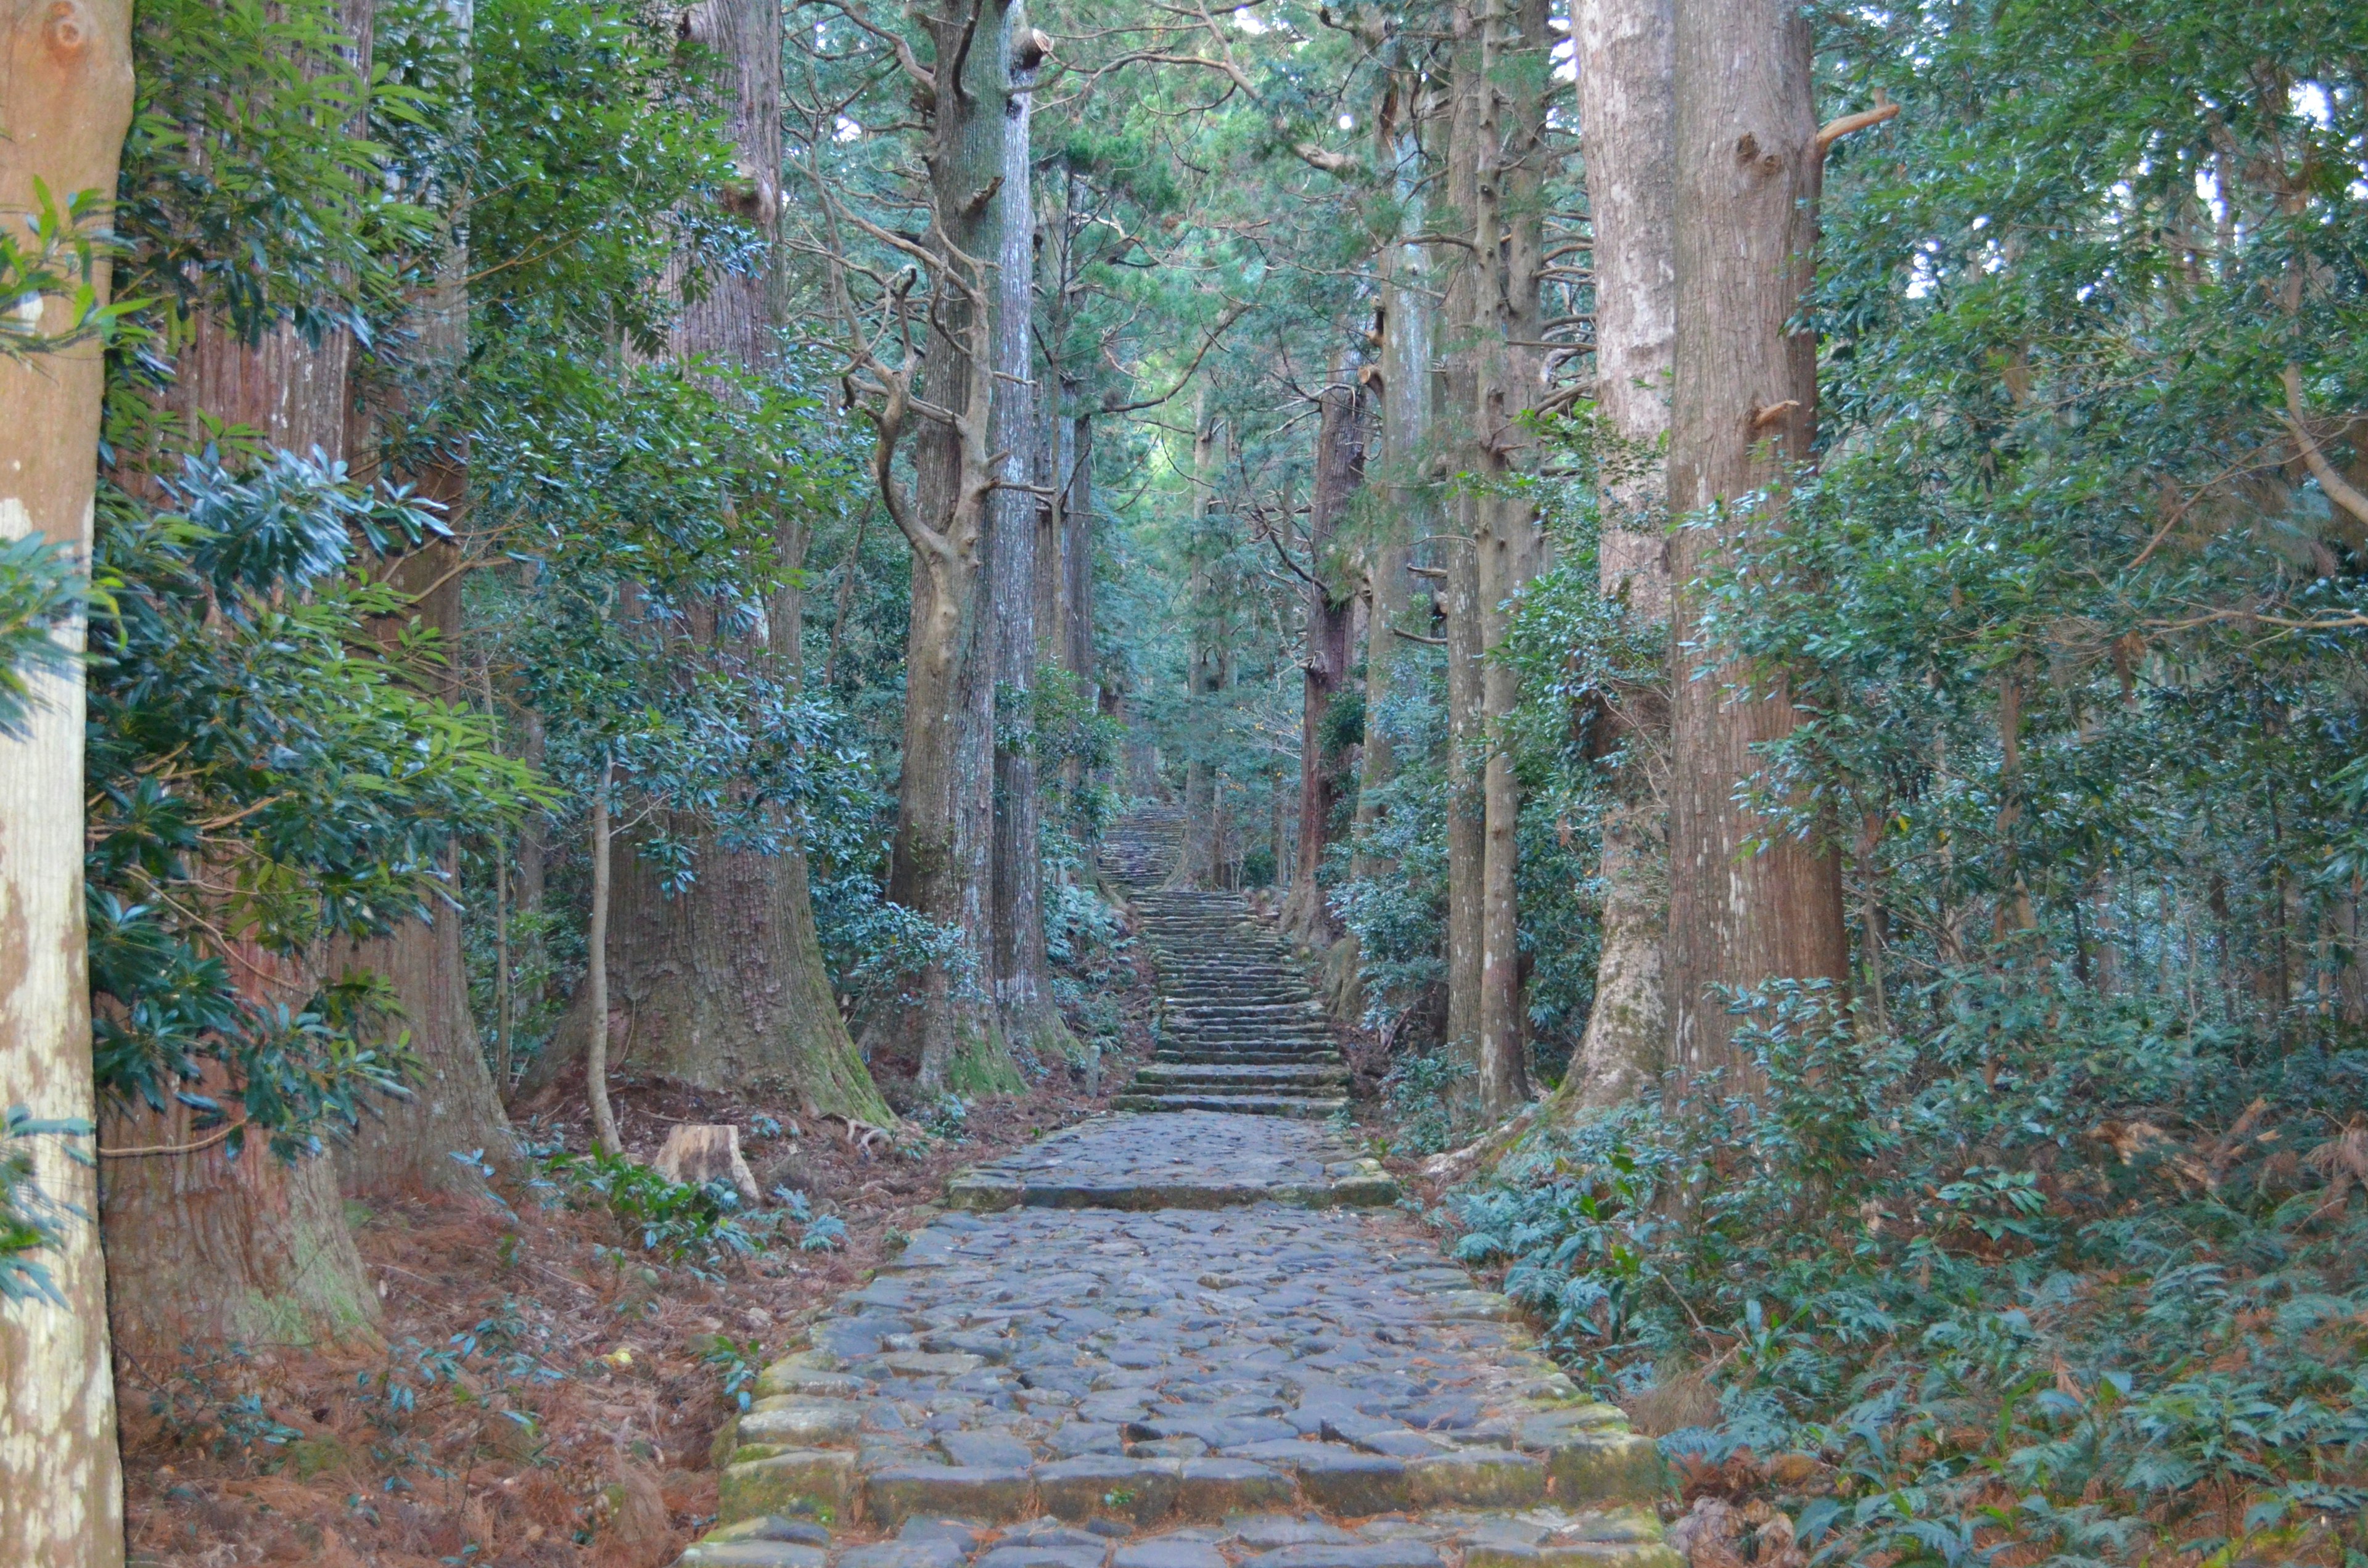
[1772, 599]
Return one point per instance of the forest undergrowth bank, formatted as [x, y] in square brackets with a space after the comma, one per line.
[556, 1354]
[2055, 1282]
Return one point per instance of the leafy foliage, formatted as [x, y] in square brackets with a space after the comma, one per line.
[30, 1218]
[258, 787]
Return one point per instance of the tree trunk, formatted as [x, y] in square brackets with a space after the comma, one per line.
[1627, 119]
[1744, 408]
[1202, 862]
[724, 980]
[1078, 554]
[1324, 665]
[1406, 506]
[455, 1106]
[595, 973]
[1511, 545]
[67, 78]
[1023, 992]
[945, 816]
[201, 1248]
[1467, 319]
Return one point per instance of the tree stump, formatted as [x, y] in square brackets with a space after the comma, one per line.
[704, 1151]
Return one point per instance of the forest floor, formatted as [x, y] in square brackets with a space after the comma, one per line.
[547, 1390]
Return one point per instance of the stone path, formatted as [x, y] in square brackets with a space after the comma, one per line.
[1264, 1385]
[1239, 1030]
[1178, 1341]
[1189, 1159]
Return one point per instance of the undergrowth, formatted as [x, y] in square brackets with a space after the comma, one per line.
[2067, 1281]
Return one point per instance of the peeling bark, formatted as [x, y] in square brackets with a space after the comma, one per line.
[65, 75]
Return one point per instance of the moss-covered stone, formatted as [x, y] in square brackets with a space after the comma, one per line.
[816, 1484]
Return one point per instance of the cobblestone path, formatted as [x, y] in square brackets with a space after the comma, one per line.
[1270, 1384]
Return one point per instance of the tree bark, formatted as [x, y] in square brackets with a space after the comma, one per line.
[202, 1248]
[1627, 123]
[1408, 509]
[65, 75]
[1510, 545]
[1078, 554]
[1024, 993]
[1202, 862]
[1466, 319]
[724, 980]
[596, 972]
[943, 854]
[1744, 409]
[455, 1107]
[1324, 663]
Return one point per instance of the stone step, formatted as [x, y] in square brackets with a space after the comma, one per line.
[1180, 1073]
[1241, 1104]
[1183, 1055]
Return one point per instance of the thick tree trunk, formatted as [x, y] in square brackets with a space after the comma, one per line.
[1324, 663]
[1627, 123]
[201, 1248]
[205, 1251]
[454, 1107]
[1023, 992]
[723, 980]
[1744, 408]
[1078, 554]
[943, 855]
[1467, 818]
[65, 76]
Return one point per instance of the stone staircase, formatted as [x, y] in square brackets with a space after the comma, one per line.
[1240, 1031]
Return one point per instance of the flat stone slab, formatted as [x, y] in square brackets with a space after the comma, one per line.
[1192, 1159]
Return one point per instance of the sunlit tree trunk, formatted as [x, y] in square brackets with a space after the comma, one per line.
[1744, 408]
[67, 77]
[1323, 660]
[203, 1249]
[1627, 121]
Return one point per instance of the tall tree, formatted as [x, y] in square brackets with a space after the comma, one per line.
[1627, 117]
[942, 857]
[210, 1243]
[725, 978]
[1324, 650]
[1023, 995]
[1746, 904]
[1465, 321]
[455, 1107]
[1406, 489]
[1509, 236]
[65, 74]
